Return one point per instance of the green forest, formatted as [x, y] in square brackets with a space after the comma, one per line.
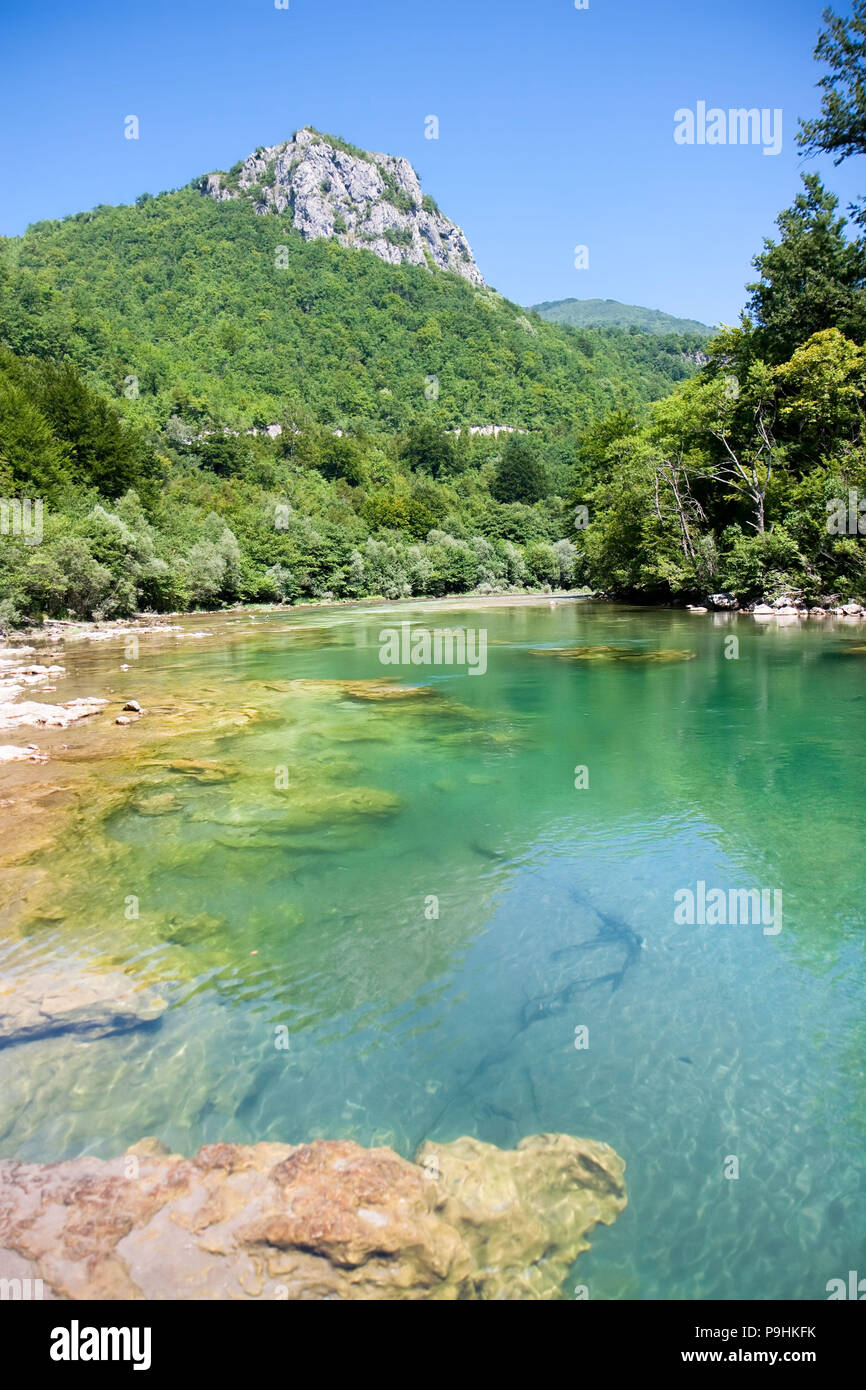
[142, 345]
[146, 349]
[583, 313]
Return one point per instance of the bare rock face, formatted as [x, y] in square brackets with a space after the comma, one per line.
[371, 201]
[327, 1220]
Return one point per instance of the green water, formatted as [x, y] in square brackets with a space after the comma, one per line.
[555, 910]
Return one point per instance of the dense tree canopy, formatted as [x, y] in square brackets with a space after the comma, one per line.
[840, 129]
[519, 475]
[201, 309]
[813, 276]
[144, 350]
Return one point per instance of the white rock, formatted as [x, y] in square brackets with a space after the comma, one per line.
[15, 713]
[334, 193]
[10, 753]
[71, 998]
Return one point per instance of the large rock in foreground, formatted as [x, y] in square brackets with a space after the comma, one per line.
[327, 1220]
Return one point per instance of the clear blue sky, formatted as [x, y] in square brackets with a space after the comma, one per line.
[556, 124]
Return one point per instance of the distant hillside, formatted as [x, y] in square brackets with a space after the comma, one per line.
[285, 381]
[609, 313]
[203, 308]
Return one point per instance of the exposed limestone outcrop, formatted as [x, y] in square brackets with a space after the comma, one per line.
[15, 712]
[370, 201]
[12, 753]
[322, 1221]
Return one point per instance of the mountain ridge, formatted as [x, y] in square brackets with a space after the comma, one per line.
[613, 313]
[196, 306]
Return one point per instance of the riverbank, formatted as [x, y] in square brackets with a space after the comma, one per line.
[21, 672]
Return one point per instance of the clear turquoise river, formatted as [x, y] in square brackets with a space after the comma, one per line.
[385, 918]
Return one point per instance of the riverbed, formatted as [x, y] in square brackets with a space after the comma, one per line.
[394, 903]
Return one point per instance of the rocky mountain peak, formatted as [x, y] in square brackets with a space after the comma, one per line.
[370, 201]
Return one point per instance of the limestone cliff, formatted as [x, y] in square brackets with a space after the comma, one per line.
[332, 189]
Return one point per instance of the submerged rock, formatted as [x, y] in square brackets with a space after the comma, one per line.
[610, 653]
[387, 690]
[327, 1220]
[206, 770]
[192, 931]
[73, 999]
[304, 807]
[384, 688]
[156, 804]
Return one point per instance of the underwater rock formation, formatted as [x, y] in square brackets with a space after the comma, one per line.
[612, 653]
[327, 1220]
[73, 999]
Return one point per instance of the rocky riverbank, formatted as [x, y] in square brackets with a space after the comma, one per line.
[783, 606]
[328, 1220]
[22, 673]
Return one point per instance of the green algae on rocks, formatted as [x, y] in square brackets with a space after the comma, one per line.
[606, 653]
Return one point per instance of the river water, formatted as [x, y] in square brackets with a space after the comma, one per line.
[392, 918]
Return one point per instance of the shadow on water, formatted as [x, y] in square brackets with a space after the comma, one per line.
[606, 955]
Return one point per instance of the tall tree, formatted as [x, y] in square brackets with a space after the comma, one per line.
[840, 129]
[428, 450]
[520, 476]
[811, 279]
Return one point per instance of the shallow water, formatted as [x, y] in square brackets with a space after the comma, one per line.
[303, 913]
